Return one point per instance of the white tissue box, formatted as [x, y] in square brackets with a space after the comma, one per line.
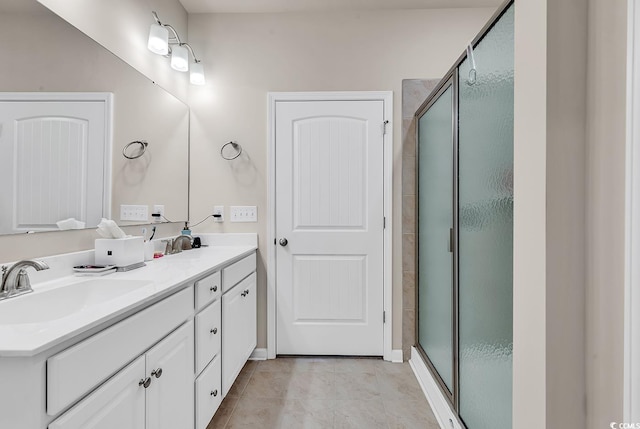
[120, 252]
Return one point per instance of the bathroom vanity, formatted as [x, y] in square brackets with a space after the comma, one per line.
[158, 347]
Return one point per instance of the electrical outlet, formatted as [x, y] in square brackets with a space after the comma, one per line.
[218, 210]
[158, 208]
[244, 214]
[134, 213]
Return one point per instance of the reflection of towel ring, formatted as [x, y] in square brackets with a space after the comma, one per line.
[143, 147]
[235, 146]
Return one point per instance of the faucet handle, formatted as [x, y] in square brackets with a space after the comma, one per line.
[169, 247]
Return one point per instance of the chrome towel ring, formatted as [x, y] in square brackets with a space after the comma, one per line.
[143, 147]
[234, 150]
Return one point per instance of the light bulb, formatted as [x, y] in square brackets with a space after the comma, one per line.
[158, 39]
[179, 58]
[197, 74]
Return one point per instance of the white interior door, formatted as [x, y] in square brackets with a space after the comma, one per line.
[53, 163]
[329, 209]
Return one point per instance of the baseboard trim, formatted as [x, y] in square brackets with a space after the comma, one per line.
[439, 404]
[258, 354]
[397, 356]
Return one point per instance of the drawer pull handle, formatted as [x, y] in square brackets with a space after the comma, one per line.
[213, 288]
[214, 331]
[145, 382]
[245, 293]
[214, 392]
[157, 372]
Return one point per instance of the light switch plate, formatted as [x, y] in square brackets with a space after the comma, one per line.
[244, 214]
[134, 213]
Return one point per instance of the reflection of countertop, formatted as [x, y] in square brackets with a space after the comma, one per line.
[166, 275]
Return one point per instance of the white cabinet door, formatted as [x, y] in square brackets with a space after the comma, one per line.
[118, 403]
[170, 395]
[239, 329]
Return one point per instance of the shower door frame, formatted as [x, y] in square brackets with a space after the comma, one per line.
[449, 81]
[450, 78]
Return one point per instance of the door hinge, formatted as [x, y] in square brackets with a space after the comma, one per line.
[384, 222]
[384, 127]
[274, 241]
[384, 317]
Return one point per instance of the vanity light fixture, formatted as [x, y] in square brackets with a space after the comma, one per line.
[197, 73]
[161, 43]
[180, 58]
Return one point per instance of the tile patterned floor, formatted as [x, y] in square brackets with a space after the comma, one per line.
[325, 393]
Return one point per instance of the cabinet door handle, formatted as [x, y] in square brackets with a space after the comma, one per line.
[244, 293]
[214, 331]
[214, 392]
[213, 288]
[157, 372]
[146, 382]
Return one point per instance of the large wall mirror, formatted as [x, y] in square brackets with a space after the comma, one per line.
[43, 54]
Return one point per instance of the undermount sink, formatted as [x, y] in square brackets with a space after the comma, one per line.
[49, 305]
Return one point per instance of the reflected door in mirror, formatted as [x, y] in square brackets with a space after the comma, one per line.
[55, 163]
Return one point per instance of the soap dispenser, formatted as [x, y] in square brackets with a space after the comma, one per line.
[186, 231]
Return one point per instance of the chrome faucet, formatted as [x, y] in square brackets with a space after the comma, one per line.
[15, 280]
[177, 245]
[180, 243]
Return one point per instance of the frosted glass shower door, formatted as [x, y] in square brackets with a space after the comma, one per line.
[485, 201]
[435, 219]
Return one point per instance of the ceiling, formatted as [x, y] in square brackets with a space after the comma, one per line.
[278, 6]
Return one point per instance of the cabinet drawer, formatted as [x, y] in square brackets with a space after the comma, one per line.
[208, 334]
[238, 271]
[207, 290]
[208, 394]
[118, 403]
[78, 369]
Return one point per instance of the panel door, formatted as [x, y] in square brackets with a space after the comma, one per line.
[118, 403]
[170, 397]
[53, 163]
[329, 208]
[239, 333]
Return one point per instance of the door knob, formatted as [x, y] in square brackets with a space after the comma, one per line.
[157, 372]
[283, 242]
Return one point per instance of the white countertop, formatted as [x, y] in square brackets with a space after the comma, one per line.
[166, 275]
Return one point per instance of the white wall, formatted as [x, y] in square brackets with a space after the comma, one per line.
[605, 211]
[247, 55]
[122, 26]
[569, 213]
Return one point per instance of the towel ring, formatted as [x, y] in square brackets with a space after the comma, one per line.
[143, 147]
[235, 146]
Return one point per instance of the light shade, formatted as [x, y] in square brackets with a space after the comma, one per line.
[158, 39]
[180, 58]
[197, 74]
